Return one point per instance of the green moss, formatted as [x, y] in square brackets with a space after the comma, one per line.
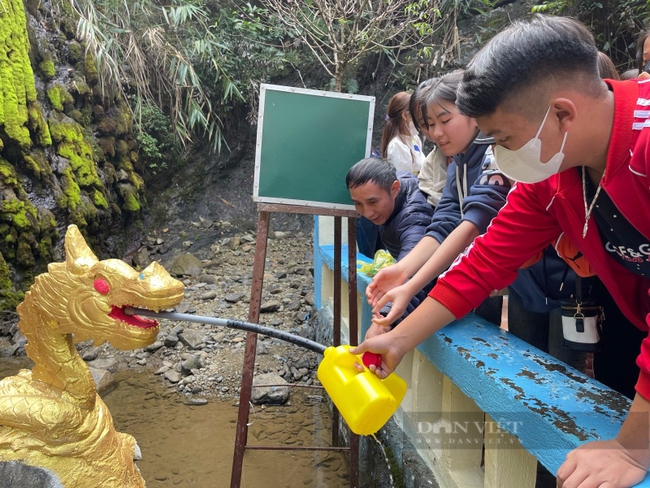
[16, 76]
[99, 200]
[60, 98]
[79, 117]
[122, 148]
[72, 145]
[71, 189]
[21, 213]
[137, 181]
[131, 203]
[123, 121]
[75, 52]
[38, 125]
[8, 173]
[90, 70]
[5, 277]
[45, 248]
[47, 67]
[36, 161]
[130, 196]
[33, 166]
[24, 254]
[9, 298]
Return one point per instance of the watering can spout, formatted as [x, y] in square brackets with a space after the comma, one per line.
[365, 401]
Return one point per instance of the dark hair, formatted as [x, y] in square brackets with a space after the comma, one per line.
[418, 103]
[606, 68]
[376, 170]
[527, 56]
[435, 90]
[395, 125]
[630, 74]
[639, 49]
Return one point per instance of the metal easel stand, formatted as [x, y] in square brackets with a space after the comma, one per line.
[241, 433]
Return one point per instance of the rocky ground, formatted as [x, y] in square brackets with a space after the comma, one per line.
[215, 262]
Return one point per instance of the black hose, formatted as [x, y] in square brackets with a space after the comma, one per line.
[232, 324]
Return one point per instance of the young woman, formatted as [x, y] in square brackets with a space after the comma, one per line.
[474, 193]
[400, 143]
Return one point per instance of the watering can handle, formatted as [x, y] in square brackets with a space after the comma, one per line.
[369, 358]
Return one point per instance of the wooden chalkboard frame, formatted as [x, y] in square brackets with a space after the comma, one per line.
[334, 136]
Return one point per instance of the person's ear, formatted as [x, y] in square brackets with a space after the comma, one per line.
[394, 188]
[564, 111]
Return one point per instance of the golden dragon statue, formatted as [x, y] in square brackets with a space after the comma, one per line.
[52, 416]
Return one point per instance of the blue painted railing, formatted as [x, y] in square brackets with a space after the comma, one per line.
[550, 407]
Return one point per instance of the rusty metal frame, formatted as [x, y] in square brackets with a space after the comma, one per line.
[241, 431]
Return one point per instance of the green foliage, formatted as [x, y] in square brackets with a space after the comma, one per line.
[615, 23]
[157, 53]
[154, 135]
[251, 43]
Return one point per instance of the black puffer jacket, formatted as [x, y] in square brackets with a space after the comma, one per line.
[410, 218]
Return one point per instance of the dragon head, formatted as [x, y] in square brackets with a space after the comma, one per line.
[85, 297]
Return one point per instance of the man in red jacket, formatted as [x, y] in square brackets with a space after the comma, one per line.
[580, 151]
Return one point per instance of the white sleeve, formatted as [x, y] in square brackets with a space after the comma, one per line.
[433, 175]
[399, 154]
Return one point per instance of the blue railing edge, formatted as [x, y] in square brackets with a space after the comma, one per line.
[475, 370]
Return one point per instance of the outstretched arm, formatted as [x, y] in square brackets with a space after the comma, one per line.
[425, 320]
[441, 259]
[395, 275]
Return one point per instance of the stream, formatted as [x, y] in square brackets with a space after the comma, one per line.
[189, 445]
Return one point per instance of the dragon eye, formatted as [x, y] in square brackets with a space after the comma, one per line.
[102, 286]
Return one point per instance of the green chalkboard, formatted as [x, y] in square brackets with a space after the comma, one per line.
[307, 140]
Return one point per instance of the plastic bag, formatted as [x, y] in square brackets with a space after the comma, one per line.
[382, 259]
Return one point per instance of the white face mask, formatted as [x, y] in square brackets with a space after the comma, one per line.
[524, 164]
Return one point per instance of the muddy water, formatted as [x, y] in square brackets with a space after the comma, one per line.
[192, 446]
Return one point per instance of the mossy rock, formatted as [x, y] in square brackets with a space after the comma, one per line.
[60, 98]
[17, 86]
[106, 127]
[98, 112]
[122, 149]
[110, 175]
[80, 117]
[123, 121]
[8, 174]
[99, 199]
[90, 71]
[9, 297]
[22, 214]
[68, 27]
[46, 67]
[38, 164]
[130, 197]
[24, 255]
[71, 144]
[47, 222]
[75, 52]
[107, 145]
[45, 248]
[38, 125]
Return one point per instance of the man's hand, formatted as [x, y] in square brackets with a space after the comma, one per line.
[384, 281]
[376, 329]
[600, 464]
[400, 297]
